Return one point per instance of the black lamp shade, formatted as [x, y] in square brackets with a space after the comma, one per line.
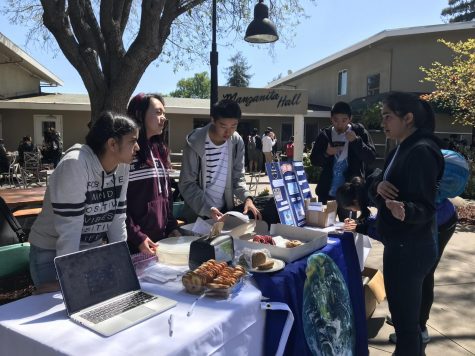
[261, 29]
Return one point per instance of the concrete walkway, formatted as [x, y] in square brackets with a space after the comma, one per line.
[452, 320]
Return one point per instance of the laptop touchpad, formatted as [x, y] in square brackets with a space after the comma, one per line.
[138, 313]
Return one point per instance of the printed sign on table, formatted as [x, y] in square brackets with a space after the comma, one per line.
[302, 179]
[287, 187]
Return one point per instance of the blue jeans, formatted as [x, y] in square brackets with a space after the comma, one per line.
[42, 265]
[406, 265]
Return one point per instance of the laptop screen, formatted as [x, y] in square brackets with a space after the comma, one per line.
[95, 275]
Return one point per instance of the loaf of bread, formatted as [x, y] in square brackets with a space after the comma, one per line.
[258, 258]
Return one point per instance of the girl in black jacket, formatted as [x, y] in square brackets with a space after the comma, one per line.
[405, 198]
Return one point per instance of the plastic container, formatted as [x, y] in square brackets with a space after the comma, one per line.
[142, 261]
[175, 250]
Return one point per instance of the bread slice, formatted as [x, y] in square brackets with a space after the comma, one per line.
[268, 264]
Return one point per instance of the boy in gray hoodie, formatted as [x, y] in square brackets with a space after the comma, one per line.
[85, 201]
[212, 171]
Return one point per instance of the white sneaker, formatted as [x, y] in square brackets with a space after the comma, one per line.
[424, 334]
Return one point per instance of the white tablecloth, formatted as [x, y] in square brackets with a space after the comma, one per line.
[38, 325]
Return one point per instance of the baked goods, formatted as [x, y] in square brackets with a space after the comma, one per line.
[268, 264]
[258, 258]
[194, 283]
[263, 239]
[213, 275]
[293, 243]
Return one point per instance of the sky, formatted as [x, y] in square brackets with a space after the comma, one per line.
[332, 25]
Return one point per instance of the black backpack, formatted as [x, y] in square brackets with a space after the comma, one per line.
[11, 231]
[258, 143]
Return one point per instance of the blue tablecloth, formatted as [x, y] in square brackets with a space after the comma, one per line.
[287, 286]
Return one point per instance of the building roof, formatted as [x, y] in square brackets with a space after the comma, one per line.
[80, 102]
[11, 53]
[379, 37]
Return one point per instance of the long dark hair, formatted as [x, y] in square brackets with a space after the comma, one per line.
[354, 191]
[403, 103]
[137, 109]
[108, 125]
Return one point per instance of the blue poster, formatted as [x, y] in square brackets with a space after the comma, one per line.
[302, 179]
[281, 196]
[287, 193]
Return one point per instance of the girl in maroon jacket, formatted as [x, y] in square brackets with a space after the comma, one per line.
[149, 197]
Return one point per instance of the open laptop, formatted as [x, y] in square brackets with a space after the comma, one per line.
[101, 290]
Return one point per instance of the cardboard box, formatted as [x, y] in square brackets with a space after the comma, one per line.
[320, 216]
[313, 240]
[373, 284]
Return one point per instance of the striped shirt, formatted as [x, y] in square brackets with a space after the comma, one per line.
[216, 172]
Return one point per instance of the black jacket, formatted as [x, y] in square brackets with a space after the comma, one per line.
[361, 153]
[415, 172]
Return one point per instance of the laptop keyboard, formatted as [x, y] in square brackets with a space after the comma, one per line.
[117, 307]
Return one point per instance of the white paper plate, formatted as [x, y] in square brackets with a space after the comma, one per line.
[278, 265]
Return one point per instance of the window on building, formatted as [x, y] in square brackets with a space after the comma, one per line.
[343, 82]
[372, 84]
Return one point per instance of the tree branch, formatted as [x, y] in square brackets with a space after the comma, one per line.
[55, 18]
[90, 40]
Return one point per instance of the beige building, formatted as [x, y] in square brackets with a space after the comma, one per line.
[387, 61]
[26, 111]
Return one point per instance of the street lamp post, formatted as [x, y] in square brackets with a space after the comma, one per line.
[213, 60]
[260, 30]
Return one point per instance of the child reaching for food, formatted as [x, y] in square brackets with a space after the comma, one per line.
[353, 196]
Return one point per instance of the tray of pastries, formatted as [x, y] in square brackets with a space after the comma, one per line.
[214, 278]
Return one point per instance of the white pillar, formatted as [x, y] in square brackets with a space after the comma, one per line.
[298, 137]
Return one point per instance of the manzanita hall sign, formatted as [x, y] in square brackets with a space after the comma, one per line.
[267, 101]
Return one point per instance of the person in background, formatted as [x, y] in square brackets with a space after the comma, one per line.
[289, 149]
[212, 171]
[52, 148]
[26, 145]
[353, 196]
[268, 142]
[4, 162]
[85, 200]
[254, 151]
[149, 196]
[344, 150]
[405, 196]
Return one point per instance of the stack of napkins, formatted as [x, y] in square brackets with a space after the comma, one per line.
[162, 273]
